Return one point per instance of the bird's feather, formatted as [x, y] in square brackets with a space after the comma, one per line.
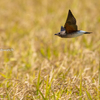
[70, 25]
[62, 28]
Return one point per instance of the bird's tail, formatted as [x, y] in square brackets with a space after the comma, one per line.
[87, 32]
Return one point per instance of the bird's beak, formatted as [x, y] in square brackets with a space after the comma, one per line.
[55, 34]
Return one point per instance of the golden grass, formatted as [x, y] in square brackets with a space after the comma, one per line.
[41, 65]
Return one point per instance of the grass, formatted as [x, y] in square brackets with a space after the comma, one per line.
[43, 66]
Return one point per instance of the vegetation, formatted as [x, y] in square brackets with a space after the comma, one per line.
[43, 66]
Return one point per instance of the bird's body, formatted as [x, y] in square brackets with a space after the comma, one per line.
[70, 29]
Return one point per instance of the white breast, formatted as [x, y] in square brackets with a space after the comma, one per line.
[75, 34]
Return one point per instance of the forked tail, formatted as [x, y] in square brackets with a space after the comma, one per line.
[87, 32]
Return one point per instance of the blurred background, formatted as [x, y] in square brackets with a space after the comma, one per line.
[42, 65]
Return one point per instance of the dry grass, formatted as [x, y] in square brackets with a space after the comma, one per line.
[41, 65]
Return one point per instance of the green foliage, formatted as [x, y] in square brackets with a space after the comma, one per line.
[43, 66]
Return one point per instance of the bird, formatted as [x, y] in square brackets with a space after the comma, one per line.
[70, 29]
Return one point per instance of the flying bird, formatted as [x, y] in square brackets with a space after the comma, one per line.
[70, 28]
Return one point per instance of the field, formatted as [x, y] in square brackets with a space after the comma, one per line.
[40, 65]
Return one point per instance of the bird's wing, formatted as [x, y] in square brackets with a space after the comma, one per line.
[70, 25]
[62, 28]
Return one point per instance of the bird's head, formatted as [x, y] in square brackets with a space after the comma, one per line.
[61, 34]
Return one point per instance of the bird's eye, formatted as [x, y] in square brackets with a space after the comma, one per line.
[59, 33]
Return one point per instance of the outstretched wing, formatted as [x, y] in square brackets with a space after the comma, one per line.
[70, 25]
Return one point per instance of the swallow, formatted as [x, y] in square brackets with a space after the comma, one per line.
[70, 29]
